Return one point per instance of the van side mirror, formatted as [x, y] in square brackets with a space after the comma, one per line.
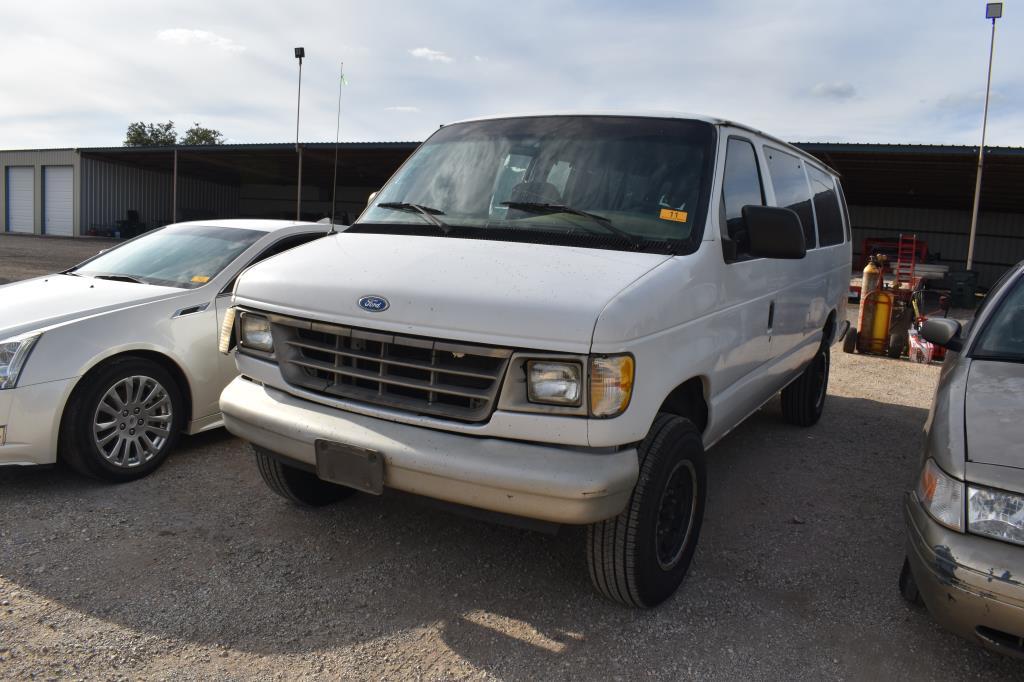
[774, 232]
[944, 332]
[369, 199]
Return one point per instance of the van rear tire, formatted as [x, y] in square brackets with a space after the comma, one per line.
[803, 401]
[850, 340]
[295, 485]
[640, 557]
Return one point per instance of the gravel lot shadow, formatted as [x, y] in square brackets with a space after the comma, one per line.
[796, 572]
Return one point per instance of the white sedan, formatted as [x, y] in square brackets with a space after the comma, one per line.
[103, 365]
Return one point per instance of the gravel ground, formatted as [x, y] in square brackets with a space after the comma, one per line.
[199, 572]
[24, 256]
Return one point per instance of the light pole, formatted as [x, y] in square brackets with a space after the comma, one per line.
[300, 53]
[993, 11]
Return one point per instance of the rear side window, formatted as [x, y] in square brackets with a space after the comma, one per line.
[741, 187]
[791, 191]
[826, 207]
[846, 209]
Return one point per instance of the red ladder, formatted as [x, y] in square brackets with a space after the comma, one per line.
[906, 260]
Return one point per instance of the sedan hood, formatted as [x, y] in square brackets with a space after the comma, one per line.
[993, 408]
[522, 295]
[55, 299]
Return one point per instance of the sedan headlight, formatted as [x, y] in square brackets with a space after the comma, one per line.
[942, 496]
[611, 384]
[254, 333]
[554, 383]
[996, 514]
[13, 354]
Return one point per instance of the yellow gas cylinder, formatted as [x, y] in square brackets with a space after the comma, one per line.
[872, 276]
[875, 318]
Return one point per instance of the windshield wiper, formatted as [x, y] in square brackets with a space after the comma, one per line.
[538, 207]
[426, 211]
[120, 278]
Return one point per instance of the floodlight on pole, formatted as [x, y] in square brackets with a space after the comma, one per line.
[993, 11]
[300, 54]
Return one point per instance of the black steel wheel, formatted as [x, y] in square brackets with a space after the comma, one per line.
[640, 557]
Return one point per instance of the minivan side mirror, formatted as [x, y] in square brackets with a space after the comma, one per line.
[944, 332]
[774, 232]
[369, 199]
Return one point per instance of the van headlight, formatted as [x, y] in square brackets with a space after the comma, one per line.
[941, 495]
[611, 384]
[995, 514]
[554, 383]
[254, 333]
[227, 331]
[13, 354]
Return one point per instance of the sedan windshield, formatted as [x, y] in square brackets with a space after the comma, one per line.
[602, 181]
[1003, 335]
[184, 256]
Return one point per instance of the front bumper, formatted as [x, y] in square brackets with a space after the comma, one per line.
[970, 584]
[560, 485]
[32, 417]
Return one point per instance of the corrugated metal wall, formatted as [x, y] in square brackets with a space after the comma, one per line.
[110, 190]
[999, 243]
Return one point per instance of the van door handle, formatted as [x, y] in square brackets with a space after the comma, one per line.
[771, 316]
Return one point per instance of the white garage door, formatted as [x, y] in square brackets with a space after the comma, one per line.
[57, 200]
[20, 196]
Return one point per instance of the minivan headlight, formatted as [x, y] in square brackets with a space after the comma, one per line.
[227, 331]
[254, 332]
[996, 514]
[554, 383]
[611, 384]
[941, 496]
[13, 354]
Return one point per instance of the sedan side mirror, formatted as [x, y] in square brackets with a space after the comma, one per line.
[369, 199]
[944, 332]
[774, 232]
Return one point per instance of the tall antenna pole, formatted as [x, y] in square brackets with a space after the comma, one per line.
[300, 52]
[993, 11]
[337, 140]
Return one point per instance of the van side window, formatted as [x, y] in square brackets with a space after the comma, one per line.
[826, 207]
[741, 186]
[846, 210]
[791, 190]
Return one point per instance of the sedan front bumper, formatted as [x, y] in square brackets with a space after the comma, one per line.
[971, 585]
[31, 415]
[532, 480]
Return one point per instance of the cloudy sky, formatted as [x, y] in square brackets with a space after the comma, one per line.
[76, 73]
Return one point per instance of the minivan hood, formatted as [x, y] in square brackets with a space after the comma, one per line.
[55, 299]
[501, 293]
[993, 406]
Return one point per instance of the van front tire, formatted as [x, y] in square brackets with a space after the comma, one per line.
[295, 485]
[804, 400]
[640, 557]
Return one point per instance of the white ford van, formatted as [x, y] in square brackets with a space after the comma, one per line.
[551, 317]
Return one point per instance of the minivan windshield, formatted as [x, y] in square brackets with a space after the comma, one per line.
[183, 256]
[618, 182]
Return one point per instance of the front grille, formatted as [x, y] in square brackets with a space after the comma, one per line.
[416, 374]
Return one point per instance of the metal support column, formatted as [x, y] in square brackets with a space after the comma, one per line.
[174, 190]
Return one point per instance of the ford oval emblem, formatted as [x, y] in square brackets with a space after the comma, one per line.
[374, 304]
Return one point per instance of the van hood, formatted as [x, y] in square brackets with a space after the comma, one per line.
[500, 293]
[56, 299]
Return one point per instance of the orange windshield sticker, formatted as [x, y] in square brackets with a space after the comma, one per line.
[200, 279]
[669, 214]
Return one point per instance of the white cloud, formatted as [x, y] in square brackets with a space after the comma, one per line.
[403, 109]
[834, 90]
[431, 55]
[478, 58]
[192, 36]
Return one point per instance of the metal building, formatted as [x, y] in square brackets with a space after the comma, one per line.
[925, 190]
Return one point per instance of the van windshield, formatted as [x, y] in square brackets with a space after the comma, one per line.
[615, 182]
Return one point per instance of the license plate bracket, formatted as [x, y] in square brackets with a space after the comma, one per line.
[350, 465]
